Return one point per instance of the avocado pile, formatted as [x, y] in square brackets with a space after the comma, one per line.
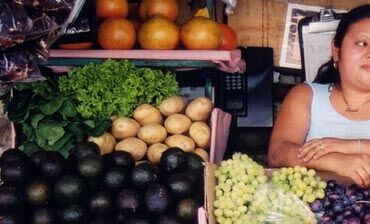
[88, 188]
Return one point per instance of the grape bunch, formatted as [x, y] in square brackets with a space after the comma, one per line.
[272, 204]
[237, 180]
[301, 181]
[343, 205]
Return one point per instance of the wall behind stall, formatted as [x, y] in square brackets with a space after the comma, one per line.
[261, 22]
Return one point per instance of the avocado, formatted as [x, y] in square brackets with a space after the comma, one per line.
[11, 155]
[42, 216]
[37, 192]
[100, 204]
[194, 163]
[100, 221]
[128, 201]
[138, 219]
[10, 200]
[52, 165]
[15, 173]
[157, 199]
[143, 175]
[73, 214]
[90, 167]
[68, 189]
[10, 219]
[83, 149]
[121, 159]
[173, 160]
[187, 210]
[180, 185]
[167, 219]
[115, 179]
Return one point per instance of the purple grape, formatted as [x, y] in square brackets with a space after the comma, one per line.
[348, 211]
[367, 218]
[339, 218]
[366, 193]
[359, 196]
[330, 212]
[331, 184]
[340, 189]
[316, 206]
[338, 207]
[351, 220]
[333, 196]
[346, 201]
[326, 203]
[358, 207]
[325, 219]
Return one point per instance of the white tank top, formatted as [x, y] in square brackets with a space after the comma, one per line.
[327, 122]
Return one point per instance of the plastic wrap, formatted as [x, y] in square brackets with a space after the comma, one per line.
[230, 6]
[272, 204]
[27, 30]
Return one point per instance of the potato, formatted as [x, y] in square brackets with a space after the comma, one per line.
[184, 142]
[106, 142]
[172, 105]
[152, 133]
[147, 114]
[200, 132]
[124, 127]
[155, 152]
[199, 109]
[202, 153]
[177, 123]
[136, 147]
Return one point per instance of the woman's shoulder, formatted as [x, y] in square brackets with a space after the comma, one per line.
[301, 90]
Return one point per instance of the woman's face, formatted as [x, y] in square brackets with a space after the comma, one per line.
[354, 55]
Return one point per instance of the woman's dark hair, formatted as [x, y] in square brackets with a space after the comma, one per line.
[327, 73]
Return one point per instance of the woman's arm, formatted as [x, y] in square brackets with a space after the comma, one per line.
[289, 133]
[317, 148]
[290, 128]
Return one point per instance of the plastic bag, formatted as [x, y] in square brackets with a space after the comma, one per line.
[272, 204]
[230, 6]
[27, 30]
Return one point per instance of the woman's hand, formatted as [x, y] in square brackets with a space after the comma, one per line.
[316, 148]
[355, 167]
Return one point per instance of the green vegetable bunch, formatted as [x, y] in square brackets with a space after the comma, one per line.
[116, 88]
[46, 119]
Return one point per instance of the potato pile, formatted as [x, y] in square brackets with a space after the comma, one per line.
[152, 130]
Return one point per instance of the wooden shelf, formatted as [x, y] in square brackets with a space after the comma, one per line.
[153, 58]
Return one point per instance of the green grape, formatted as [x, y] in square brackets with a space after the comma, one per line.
[236, 182]
[301, 181]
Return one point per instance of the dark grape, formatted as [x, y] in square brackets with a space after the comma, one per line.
[317, 206]
[338, 207]
[331, 184]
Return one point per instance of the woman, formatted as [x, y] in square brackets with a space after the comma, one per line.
[325, 125]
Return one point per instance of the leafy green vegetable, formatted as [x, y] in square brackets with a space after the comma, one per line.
[116, 88]
[46, 119]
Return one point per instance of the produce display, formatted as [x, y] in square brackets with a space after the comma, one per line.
[300, 181]
[237, 181]
[58, 113]
[272, 204]
[152, 130]
[246, 193]
[343, 205]
[86, 187]
[154, 25]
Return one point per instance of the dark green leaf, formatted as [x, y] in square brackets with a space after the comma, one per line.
[89, 123]
[52, 106]
[52, 131]
[101, 127]
[68, 109]
[35, 119]
[29, 147]
[58, 145]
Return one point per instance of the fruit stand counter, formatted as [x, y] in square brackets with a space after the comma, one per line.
[226, 60]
